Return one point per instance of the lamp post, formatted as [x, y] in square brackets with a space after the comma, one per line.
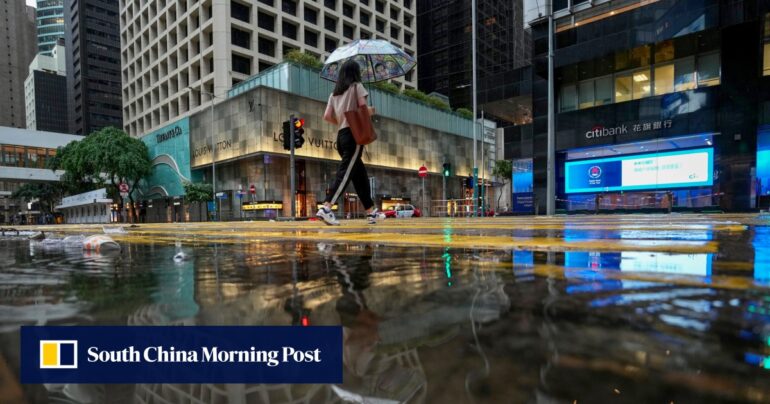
[213, 150]
[550, 206]
[475, 121]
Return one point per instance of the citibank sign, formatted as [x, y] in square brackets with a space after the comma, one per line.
[625, 129]
[601, 131]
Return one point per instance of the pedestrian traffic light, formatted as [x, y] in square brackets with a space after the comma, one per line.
[299, 132]
[286, 135]
[447, 169]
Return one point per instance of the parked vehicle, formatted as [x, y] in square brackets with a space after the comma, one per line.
[402, 211]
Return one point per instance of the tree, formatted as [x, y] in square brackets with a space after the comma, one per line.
[198, 192]
[465, 113]
[47, 194]
[503, 169]
[105, 158]
[303, 58]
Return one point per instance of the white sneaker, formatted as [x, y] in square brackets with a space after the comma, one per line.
[327, 216]
[374, 216]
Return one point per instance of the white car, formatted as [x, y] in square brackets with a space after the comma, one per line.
[403, 211]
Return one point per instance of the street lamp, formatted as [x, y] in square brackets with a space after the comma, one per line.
[213, 149]
[475, 115]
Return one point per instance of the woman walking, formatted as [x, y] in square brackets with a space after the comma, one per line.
[348, 95]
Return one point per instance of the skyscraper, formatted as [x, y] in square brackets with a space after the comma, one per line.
[444, 44]
[46, 92]
[50, 24]
[93, 65]
[168, 46]
[18, 46]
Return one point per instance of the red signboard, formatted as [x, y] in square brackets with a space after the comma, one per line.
[423, 172]
[253, 189]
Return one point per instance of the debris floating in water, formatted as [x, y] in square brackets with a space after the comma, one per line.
[114, 230]
[100, 243]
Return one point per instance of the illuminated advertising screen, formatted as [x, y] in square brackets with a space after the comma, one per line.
[674, 169]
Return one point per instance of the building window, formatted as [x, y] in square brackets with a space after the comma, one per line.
[331, 4]
[586, 94]
[394, 32]
[380, 24]
[311, 38]
[241, 64]
[289, 30]
[268, 2]
[241, 38]
[684, 74]
[623, 87]
[393, 14]
[708, 70]
[642, 81]
[330, 23]
[664, 79]
[568, 101]
[407, 39]
[289, 7]
[330, 44]
[266, 46]
[347, 31]
[766, 64]
[348, 10]
[240, 11]
[365, 18]
[380, 6]
[266, 21]
[311, 15]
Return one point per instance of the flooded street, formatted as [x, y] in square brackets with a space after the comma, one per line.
[573, 310]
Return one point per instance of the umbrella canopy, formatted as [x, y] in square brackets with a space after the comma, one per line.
[379, 60]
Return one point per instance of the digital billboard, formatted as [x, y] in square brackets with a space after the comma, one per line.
[674, 169]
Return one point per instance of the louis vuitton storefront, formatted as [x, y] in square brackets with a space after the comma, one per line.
[252, 168]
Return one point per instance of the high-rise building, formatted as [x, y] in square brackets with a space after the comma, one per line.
[18, 46]
[50, 24]
[444, 44]
[209, 46]
[93, 65]
[46, 92]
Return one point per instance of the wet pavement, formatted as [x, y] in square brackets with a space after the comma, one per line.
[587, 309]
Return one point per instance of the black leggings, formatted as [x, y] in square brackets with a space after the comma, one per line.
[351, 169]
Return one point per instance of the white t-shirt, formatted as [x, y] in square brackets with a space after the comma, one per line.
[339, 104]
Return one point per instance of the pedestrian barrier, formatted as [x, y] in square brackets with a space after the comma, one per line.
[456, 208]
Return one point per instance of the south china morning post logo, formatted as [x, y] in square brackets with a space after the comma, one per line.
[190, 354]
[58, 354]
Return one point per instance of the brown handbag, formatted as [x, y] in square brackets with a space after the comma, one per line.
[360, 122]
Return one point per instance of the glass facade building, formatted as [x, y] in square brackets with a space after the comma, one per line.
[50, 24]
[659, 105]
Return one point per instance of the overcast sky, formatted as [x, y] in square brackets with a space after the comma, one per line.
[31, 3]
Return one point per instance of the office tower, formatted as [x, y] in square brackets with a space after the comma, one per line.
[46, 92]
[18, 45]
[50, 24]
[209, 46]
[93, 65]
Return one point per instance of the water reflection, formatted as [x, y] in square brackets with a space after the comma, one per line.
[423, 325]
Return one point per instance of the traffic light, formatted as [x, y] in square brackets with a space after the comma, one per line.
[299, 131]
[447, 169]
[469, 182]
[286, 135]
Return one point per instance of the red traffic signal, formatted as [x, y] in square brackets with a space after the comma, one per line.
[253, 189]
[299, 123]
[305, 321]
